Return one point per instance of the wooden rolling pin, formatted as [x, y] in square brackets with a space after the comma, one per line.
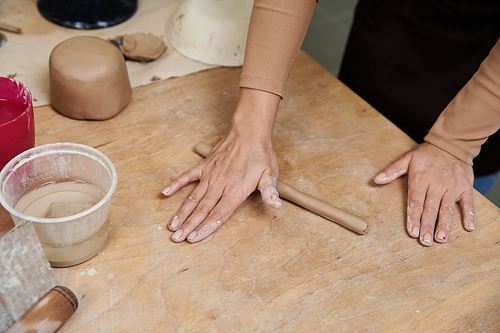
[317, 206]
[49, 313]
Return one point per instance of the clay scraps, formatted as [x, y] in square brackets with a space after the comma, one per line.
[140, 46]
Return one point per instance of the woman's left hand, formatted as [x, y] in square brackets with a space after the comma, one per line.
[436, 181]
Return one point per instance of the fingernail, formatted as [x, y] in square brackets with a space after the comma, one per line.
[380, 177]
[174, 223]
[177, 235]
[415, 231]
[441, 235]
[427, 239]
[276, 199]
[472, 227]
[166, 191]
[193, 236]
[273, 196]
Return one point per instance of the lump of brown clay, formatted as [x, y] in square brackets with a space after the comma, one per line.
[141, 46]
[88, 78]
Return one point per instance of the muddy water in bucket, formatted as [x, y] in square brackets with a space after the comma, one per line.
[65, 189]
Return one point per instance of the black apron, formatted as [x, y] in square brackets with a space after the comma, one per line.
[409, 58]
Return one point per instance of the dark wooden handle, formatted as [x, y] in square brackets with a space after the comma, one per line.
[317, 206]
[49, 313]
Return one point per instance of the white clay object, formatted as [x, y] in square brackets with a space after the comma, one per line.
[213, 32]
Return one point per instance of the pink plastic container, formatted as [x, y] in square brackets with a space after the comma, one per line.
[17, 122]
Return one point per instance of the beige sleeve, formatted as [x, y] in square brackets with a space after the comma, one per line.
[277, 29]
[473, 115]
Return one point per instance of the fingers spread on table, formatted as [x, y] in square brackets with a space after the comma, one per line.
[209, 205]
[232, 198]
[194, 210]
[436, 181]
[189, 205]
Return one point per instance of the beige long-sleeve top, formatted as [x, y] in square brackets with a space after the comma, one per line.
[473, 115]
[277, 29]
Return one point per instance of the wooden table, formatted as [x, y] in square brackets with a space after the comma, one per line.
[269, 270]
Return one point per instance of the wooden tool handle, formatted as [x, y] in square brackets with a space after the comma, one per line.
[49, 313]
[8, 27]
[317, 206]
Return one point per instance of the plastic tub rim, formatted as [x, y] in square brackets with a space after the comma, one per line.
[28, 102]
[43, 150]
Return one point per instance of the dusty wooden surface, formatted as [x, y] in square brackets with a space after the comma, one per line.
[269, 270]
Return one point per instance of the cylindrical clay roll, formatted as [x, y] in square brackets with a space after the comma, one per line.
[317, 206]
[88, 78]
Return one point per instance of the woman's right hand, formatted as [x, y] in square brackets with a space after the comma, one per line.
[241, 163]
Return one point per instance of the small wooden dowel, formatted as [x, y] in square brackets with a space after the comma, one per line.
[9, 28]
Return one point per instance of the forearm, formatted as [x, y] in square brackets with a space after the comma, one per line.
[244, 160]
[473, 115]
[277, 29]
